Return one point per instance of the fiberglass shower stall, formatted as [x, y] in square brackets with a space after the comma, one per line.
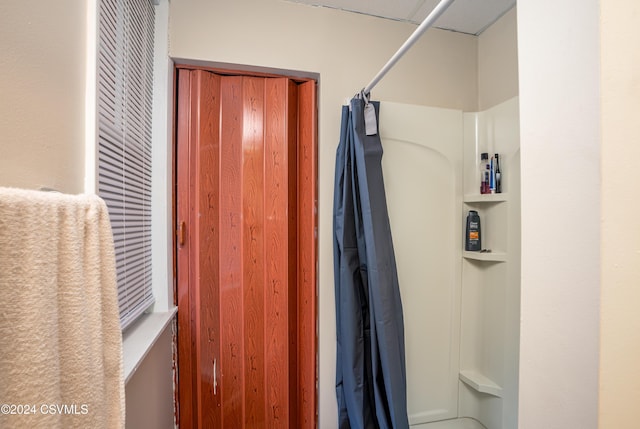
[461, 308]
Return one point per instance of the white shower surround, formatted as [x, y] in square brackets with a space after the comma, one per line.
[461, 317]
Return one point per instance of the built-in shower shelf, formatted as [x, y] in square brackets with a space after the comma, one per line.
[480, 383]
[486, 256]
[485, 198]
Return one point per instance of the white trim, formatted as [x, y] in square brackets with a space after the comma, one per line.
[140, 337]
[161, 160]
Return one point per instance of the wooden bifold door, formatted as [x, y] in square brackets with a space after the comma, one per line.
[246, 251]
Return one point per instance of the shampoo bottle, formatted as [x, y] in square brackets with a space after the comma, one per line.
[473, 241]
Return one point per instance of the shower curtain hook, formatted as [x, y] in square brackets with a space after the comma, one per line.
[364, 96]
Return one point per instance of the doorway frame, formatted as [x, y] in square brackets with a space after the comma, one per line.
[307, 253]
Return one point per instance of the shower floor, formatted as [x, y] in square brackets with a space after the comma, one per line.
[461, 423]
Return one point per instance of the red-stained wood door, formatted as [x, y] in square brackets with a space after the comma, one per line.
[246, 251]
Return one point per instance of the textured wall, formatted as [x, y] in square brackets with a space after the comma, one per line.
[620, 319]
[560, 159]
[42, 70]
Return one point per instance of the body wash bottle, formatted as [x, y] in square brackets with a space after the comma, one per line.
[473, 242]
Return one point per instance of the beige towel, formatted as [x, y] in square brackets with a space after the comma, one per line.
[60, 337]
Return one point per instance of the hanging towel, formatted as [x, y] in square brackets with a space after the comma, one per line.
[60, 337]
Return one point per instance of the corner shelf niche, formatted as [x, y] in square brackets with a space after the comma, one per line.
[484, 277]
[480, 383]
[490, 292]
[492, 209]
[485, 256]
[485, 198]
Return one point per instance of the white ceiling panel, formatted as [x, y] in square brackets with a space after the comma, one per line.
[398, 9]
[465, 16]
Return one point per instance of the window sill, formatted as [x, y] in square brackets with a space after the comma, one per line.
[138, 339]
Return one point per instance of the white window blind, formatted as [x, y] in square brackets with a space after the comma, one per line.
[125, 96]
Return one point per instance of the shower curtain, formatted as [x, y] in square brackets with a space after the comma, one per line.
[370, 367]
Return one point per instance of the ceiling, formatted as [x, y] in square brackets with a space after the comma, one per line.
[465, 16]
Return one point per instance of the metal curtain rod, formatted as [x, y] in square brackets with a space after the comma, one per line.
[428, 22]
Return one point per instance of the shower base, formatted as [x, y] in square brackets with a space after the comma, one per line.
[461, 423]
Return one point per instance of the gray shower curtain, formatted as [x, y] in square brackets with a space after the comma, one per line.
[370, 368]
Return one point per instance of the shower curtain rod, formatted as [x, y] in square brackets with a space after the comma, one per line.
[428, 22]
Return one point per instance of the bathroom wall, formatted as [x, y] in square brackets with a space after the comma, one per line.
[149, 402]
[620, 259]
[498, 62]
[42, 69]
[347, 49]
[559, 66]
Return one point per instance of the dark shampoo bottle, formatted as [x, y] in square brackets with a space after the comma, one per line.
[472, 241]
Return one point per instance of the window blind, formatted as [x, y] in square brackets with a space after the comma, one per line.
[124, 111]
